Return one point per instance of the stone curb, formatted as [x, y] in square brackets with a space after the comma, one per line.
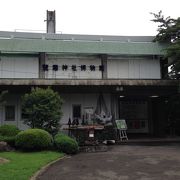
[44, 168]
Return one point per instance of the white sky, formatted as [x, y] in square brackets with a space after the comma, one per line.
[103, 17]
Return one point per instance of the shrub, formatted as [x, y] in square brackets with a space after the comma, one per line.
[9, 130]
[43, 108]
[8, 133]
[66, 144]
[33, 139]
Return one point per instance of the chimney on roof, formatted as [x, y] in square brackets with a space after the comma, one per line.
[51, 22]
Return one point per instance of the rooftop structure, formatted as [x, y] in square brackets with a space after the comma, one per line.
[87, 44]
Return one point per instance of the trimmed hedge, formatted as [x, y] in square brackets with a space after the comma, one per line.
[66, 144]
[9, 130]
[8, 134]
[33, 139]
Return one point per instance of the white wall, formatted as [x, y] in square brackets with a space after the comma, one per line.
[74, 60]
[19, 67]
[133, 69]
[117, 68]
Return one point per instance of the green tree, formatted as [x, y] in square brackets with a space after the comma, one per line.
[43, 109]
[169, 32]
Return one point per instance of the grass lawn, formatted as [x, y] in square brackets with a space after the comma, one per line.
[23, 165]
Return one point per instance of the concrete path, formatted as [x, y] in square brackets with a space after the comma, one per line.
[119, 163]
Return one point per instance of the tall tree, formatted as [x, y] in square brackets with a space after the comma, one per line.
[43, 109]
[169, 32]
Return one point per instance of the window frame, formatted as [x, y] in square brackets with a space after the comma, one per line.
[7, 113]
[73, 111]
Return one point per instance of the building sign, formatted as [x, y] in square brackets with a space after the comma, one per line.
[74, 67]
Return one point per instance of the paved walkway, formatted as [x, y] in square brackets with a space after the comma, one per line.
[119, 163]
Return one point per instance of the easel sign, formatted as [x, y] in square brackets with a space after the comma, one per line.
[122, 127]
[121, 124]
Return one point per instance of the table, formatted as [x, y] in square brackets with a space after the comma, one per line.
[89, 132]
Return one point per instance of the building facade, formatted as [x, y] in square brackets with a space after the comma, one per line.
[128, 71]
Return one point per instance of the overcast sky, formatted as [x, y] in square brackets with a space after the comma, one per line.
[103, 17]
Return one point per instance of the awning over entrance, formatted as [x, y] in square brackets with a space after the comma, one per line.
[90, 82]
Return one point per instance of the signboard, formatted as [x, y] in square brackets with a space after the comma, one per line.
[121, 124]
[91, 133]
[89, 110]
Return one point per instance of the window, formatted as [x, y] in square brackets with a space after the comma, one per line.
[10, 113]
[76, 111]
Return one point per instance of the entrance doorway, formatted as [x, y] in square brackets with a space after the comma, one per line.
[135, 112]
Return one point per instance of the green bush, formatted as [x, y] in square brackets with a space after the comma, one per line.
[8, 133]
[33, 139]
[9, 130]
[66, 144]
[43, 108]
[9, 139]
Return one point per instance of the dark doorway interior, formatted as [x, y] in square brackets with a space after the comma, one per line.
[135, 112]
